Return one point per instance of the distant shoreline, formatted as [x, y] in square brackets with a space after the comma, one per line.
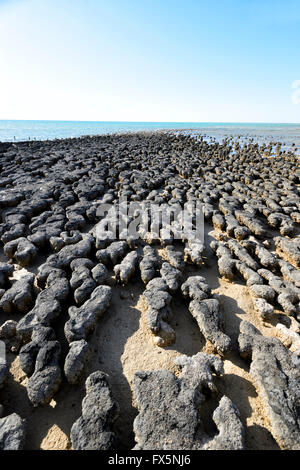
[13, 132]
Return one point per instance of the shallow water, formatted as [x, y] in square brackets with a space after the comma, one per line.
[42, 130]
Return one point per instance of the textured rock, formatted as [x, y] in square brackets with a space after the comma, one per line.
[231, 431]
[12, 432]
[93, 430]
[290, 273]
[276, 373]
[254, 224]
[289, 338]
[208, 316]
[175, 257]
[21, 250]
[52, 191]
[171, 276]
[242, 254]
[196, 288]
[76, 360]
[126, 269]
[250, 276]
[99, 274]
[20, 296]
[8, 329]
[149, 264]
[81, 281]
[69, 253]
[48, 306]
[218, 221]
[193, 252]
[159, 312]
[262, 291]
[9, 335]
[288, 294]
[263, 307]
[47, 273]
[289, 248]
[83, 319]
[226, 263]
[266, 258]
[113, 253]
[57, 243]
[46, 379]
[28, 353]
[160, 426]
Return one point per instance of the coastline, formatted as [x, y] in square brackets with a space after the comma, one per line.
[16, 131]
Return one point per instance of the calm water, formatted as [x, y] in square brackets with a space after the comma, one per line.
[42, 130]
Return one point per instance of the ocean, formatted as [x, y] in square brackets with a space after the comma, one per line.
[17, 130]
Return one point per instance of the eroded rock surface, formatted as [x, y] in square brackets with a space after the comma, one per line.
[162, 427]
[93, 430]
[276, 372]
[12, 432]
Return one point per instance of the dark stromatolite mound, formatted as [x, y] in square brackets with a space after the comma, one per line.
[21, 250]
[69, 253]
[46, 378]
[48, 306]
[12, 432]
[9, 335]
[206, 311]
[160, 426]
[289, 248]
[149, 264]
[276, 372]
[19, 296]
[76, 360]
[126, 269]
[82, 281]
[93, 430]
[159, 312]
[83, 319]
[171, 276]
[28, 353]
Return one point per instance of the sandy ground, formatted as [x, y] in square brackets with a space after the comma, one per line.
[122, 345]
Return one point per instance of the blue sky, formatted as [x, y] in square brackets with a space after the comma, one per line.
[150, 60]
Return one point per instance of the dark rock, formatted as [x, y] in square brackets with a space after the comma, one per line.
[160, 426]
[76, 360]
[12, 432]
[276, 373]
[6, 271]
[46, 379]
[93, 430]
[20, 296]
[208, 316]
[126, 269]
[84, 319]
[21, 250]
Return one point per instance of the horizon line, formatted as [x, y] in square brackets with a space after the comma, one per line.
[155, 122]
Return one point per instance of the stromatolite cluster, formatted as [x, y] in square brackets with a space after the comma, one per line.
[64, 257]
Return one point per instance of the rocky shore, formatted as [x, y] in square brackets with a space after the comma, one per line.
[111, 341]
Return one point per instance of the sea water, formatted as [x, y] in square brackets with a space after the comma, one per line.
[16, 130]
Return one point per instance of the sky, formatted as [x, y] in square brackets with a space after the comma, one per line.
[150, 60]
